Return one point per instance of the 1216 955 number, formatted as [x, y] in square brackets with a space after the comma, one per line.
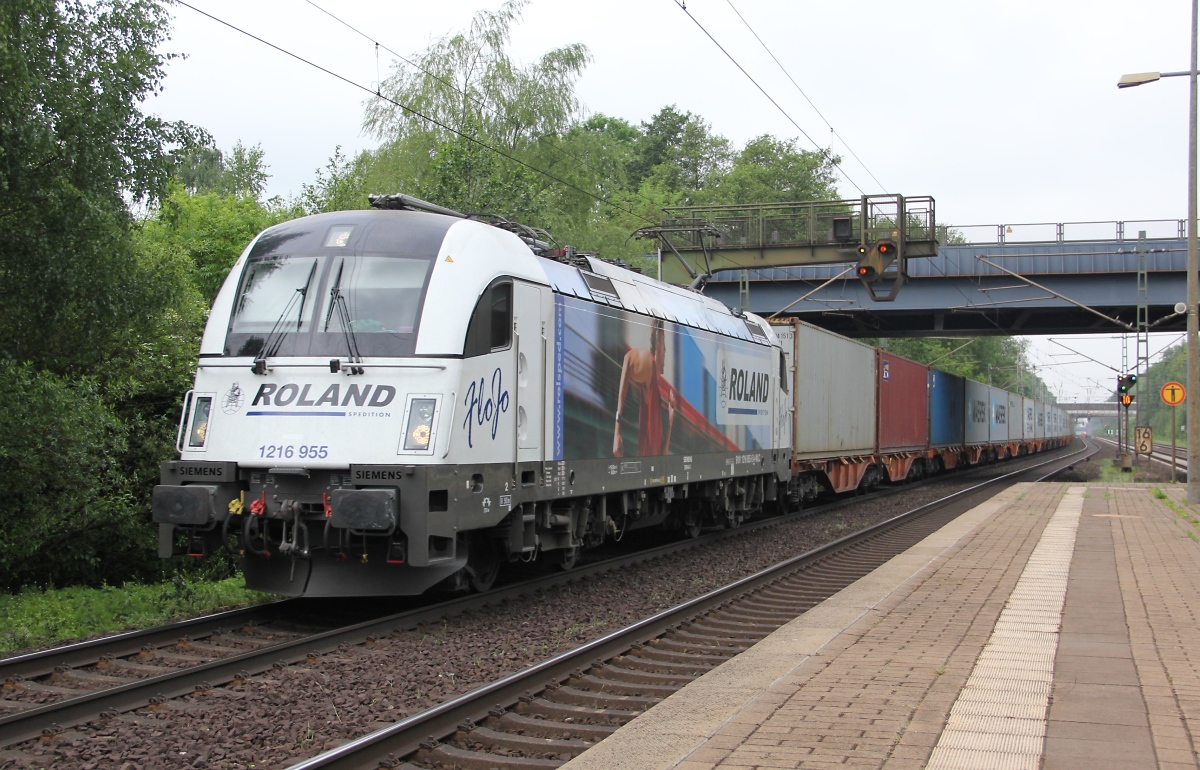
[288, 452]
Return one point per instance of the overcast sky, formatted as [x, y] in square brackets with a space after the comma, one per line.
[1004, 112]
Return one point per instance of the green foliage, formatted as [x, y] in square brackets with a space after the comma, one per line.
[37, 617]
[63, 490]
[339, 187]
[680, 152]
[468, 83]
[209, 230]
[75, 149]
[205, 169]
[770, 170]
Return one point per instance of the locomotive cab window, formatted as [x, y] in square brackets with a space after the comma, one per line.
[491, 322]
[783, 378]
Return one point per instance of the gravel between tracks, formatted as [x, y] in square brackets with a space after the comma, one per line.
[271, 720]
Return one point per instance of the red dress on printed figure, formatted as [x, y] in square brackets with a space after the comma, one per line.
[650, 432]
[643, 369]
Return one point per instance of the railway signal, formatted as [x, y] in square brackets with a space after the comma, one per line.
[1126, 382]
[1126, 400]
[876, 259]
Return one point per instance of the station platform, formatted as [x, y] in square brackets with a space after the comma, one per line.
[1052, 627]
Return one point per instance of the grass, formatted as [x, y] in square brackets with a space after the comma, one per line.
[36, 617]
[1184, 514]
[1110, 473]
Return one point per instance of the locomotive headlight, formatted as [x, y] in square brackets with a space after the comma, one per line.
[198, 434]
[418, 434]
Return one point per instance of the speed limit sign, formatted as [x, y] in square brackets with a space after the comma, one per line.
[1143, 439]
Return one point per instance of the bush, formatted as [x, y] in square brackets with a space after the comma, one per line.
[67, 514]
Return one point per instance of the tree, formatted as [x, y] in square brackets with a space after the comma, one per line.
[75, 148]
[679, 151]
[205, 169]
[463, 96]
[771, 170]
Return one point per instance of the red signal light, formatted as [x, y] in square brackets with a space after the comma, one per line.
[864, 270]
[886, 248]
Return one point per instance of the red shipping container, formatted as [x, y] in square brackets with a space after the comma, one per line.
[902, 422]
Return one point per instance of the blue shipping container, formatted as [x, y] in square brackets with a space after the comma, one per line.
[947, 403]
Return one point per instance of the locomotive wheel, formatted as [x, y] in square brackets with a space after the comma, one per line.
[483, 565]
[566, 558]
[692, 528]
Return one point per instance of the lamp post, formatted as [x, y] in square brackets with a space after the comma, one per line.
[1193, 291]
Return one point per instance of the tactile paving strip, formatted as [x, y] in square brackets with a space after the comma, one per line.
[999, 719]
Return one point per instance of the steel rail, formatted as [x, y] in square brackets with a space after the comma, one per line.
[87, 652]
[389, 744]
[43, 662]
[30, 723]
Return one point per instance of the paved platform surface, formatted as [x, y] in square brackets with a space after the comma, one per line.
[1052, 627]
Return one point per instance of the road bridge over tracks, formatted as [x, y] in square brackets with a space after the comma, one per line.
[1044, 278]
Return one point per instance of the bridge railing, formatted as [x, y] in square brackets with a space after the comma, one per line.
[802, 224]
[1060, 232]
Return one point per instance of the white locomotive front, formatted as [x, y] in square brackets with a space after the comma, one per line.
[396, 398]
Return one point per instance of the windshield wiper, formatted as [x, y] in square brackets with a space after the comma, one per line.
[274, 338]
[338, 300]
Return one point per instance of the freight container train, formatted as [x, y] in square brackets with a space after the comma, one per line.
[393, 399]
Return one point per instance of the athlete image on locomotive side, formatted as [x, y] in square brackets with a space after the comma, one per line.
[642, 373]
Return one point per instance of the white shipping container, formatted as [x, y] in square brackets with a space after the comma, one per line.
[978, 415]
[1016, 423]
[1028, 417]
[999, 407]
[834, 391]
[1039, 420]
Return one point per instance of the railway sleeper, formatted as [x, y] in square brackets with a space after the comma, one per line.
[443, 755]
[765, 615]
[586, 715]
[575, 696]
[530, 744]
[664, 667]
[616, 671]
[720, 623]
[718, 636]
[681, 656]
[549, 728]
[701, 647]
[590, 683]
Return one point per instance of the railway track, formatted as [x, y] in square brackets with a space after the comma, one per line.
[1161, 453]
[545, 715]
[46, 692]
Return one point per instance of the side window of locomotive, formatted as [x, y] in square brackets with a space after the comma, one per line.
[783, 379]
[491, 323]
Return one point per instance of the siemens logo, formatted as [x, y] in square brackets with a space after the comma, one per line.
[292, 394]
[194, 471]
[745, 385]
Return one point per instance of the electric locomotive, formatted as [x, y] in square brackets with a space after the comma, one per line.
[397, 398]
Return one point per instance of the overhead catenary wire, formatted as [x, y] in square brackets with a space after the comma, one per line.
[379, 94]
[477, 102]
[787, 74]
[821, 150]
